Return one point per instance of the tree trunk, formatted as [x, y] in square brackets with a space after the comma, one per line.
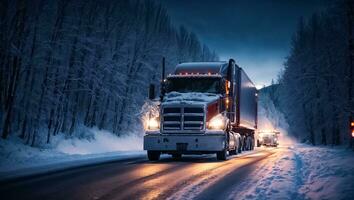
[19, 23]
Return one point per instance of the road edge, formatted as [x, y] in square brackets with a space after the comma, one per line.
[49, 169]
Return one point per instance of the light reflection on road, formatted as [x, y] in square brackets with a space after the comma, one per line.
[195, 173]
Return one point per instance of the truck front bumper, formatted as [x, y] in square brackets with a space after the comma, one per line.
[185, 143]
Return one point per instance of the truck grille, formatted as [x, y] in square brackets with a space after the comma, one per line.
[183, 118]
[266, 140]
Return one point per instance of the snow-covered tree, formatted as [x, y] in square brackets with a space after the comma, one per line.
[65, 64]
[315, 82]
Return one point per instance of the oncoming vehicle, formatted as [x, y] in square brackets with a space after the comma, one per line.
[205, 107]
[268, 138]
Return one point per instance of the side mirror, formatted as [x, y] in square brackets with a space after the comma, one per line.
[152, 92]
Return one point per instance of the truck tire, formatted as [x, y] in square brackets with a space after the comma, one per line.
[258, 143]
[176, 156]
[221, 155]
[153, 155]
[244, 143]
[233, 152]
[252, 143]
[239, 147]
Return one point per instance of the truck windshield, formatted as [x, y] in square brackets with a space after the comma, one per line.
[194, 84]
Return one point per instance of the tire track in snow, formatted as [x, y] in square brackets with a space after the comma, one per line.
[298, 176]
[275, 178]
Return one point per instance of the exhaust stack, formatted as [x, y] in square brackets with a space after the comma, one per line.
[163, 69]
[162, 83]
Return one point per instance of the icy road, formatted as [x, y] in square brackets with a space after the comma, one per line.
[266, 173]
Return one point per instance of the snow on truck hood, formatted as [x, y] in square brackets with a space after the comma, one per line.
[190, 98]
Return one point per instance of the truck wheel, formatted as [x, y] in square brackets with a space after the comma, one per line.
[221, 155]
[153, 155]
[244, 143]
[233, 152]
[239, 147]
[252, 144]
[258, 143]
[176, 156]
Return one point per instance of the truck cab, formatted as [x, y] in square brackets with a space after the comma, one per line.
[198, 112]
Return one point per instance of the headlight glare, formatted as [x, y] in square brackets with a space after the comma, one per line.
[153, 124]
[217, 123]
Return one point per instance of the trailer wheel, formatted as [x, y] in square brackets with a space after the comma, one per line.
[252, 143]
[176, 156]
[239, 146]
[221, 155]
[246, 144]
[153, 155]
[243, 141]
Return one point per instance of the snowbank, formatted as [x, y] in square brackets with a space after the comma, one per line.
[298, 171]
[327, 173]
[20, 159]
[102, 142]
[302, 172]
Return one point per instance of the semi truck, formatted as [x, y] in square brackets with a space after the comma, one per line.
[268, 138]
[204, 108]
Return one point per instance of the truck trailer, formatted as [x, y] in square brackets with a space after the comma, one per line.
[204, 108]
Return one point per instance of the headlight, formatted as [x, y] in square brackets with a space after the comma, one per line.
[217, 123]
[153, 123]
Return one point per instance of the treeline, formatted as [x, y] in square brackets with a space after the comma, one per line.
[71, 63]
[316, 87]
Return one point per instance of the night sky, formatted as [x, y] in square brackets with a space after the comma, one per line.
[256, 33]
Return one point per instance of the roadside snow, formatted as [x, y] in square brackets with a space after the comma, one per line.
[302, 172]
[327, 173]
[297, 171]
[18, 159]
[102, 142]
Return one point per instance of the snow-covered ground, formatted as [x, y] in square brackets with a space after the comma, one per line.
[18, 159]
[298, 171]
[302, 172]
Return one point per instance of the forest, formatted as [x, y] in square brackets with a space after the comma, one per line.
[65, 64]
[68, 64]
[315, 90]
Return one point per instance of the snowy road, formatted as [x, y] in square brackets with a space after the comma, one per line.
[266, 173]
[140, 178]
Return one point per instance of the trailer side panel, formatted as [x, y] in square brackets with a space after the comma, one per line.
[247, 102]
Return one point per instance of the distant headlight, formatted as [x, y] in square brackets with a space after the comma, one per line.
[217, 123]
[153, 124]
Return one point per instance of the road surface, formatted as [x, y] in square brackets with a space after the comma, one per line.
[197, 177]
